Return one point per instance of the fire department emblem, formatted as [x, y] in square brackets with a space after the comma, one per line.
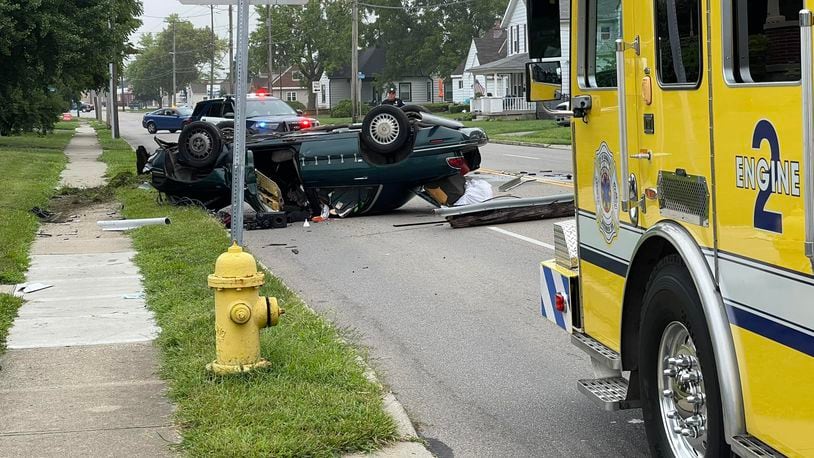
[606, 193]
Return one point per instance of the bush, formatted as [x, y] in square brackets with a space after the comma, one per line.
[296, 105]
[457, 107]
[343, 109]
[465, 117]
[436, 107]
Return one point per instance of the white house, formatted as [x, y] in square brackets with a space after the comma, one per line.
[505, 78]
[483, 50]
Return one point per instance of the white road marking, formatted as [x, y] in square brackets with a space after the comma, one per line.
[522, 237]
[524, 157]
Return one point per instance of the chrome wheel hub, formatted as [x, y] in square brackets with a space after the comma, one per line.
[199, 144]
[683, 399]
[384, 128]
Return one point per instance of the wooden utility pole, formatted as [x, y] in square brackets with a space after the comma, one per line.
[268, 31]
[354, 77]
[212, 66]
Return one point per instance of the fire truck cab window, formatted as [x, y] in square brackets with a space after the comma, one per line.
[678, 35]
[604, 27]
[766, 40]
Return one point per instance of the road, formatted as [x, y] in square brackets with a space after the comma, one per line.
[451, 320]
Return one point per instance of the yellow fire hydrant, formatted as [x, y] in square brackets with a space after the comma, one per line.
[240, 312]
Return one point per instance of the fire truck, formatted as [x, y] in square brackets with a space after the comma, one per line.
[686, 274]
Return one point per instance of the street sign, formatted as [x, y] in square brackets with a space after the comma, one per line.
[361, 76]
[315, 87]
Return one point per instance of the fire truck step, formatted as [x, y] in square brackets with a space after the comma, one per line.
[609, 393]
[597, 350]
[749, 446]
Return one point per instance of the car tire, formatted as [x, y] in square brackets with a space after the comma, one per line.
[199, 144]
[151, 127]
[676, 361]
[385, 129]
[226, 130]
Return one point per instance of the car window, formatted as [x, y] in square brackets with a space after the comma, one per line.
[268, 107]
[185, 111]
[214, 109]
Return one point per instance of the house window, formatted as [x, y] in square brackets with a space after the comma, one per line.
[429, 91]
[296, 75]
[405, 92]
[291, 96]
[678, 42]
[600, 55]
[765, 44]
[525, 45]
[322, 93]
[605, 33]
[460, 84]
[516, 35]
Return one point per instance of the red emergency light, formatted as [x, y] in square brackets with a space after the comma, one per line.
[560, 302]
[262, 92]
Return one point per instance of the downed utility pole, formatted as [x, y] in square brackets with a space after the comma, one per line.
[508, 210]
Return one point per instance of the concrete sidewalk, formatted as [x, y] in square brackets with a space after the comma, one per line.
[79, 378]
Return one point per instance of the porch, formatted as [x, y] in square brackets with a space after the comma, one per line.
[505, 88]
[501, 106]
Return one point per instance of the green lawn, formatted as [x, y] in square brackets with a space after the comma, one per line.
[31, 165]
[314, 399]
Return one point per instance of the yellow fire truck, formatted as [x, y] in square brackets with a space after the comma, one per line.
[687, 273]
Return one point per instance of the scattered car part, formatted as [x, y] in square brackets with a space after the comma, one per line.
[498, 211]
[513, 183]
[127, 224]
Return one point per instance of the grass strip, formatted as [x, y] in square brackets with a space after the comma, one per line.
[30, 164]
[314, 399]
[8, 311]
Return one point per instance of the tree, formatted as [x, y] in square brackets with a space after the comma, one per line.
[150, 72]
[47, 57]
[427, 37]
[315, 38]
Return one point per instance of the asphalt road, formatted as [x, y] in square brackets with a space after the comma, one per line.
[451, 318]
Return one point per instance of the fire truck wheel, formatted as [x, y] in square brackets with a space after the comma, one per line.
[681, 399]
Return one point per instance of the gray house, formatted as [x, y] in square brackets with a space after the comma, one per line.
[335, 86]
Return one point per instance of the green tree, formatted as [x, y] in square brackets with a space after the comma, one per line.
[150, 73]
[427, 37]
[315, 37]
[48, 56]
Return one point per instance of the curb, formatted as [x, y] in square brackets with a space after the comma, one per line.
[537, 145]
[408, 444]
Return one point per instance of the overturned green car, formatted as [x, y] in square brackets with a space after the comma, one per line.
[372, 167]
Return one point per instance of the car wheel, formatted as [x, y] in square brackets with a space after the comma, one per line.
[151, 127]
[227, 131]
[199, 144]
[172, 131]
[681, 400]
[385, 129]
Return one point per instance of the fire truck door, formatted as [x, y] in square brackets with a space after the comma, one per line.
[670, 172]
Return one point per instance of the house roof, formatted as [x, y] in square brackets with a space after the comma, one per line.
[287, 81]
[371, 62]
[489, 45]
[513, 64]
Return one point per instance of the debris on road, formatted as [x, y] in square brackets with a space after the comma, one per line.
[32, 287]
[127, 224]
[509, 210]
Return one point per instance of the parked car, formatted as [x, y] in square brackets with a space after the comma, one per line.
[264, 114]
[563, 120]
[171, 119]
[366, 168]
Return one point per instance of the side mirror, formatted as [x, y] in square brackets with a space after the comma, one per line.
[544, 81]
[229, 115]
[299, 112]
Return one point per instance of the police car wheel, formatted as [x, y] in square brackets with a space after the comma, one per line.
[385, 129]
[199, 144]
[681, 400]
[227, 131]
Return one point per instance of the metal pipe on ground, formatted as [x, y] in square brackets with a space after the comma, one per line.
[503, 210]
[127, 224]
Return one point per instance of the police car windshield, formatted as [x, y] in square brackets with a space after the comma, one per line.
[268, 107]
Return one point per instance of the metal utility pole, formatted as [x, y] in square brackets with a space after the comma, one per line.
[212, 66]
[173, 65]
[354, 66]
[239, 156]
[268, 30]
[231, 55]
